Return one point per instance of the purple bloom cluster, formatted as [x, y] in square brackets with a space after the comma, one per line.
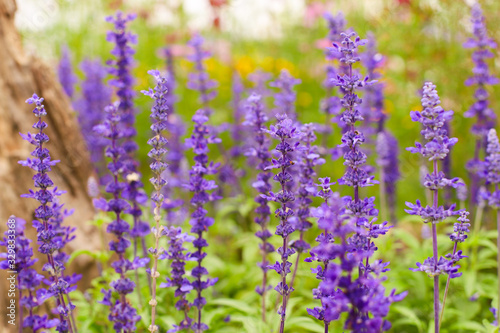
[28, 280]
[373, 101]
[200, 222]
[65, 72]
[288, 135]
[309, 159]
[123, 315]
[330, 105]
[200, 80]
[177, 254]
[433, 118]
[284, 100]
[387, 159]
[490, 169]
[362, 297]
[256, 119]
[123, 80]
[158, 143]
[238, 133]
[485, 117]
[90, 107]
[51, 235]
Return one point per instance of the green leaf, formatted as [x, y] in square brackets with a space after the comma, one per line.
[235, 304]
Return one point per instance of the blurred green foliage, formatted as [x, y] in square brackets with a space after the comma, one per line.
[422, 40]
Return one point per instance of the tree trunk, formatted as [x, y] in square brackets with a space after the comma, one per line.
[21, 75]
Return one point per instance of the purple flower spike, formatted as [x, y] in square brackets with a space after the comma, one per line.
[28, 281]
[361, 297]
[67, 78]
[288, 136]
[177, 254]
[387, 159]
[123, 81]
[309, 160]
[485, 116]
[433, 118]
[284, 100]
[330, 105]
[256, 120]
[200, 80]
[158, 143]
[490, 171]
[51, 235]
[200, 222]
[96, 95]
[122, 314]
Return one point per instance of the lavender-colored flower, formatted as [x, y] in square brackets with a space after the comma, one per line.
[373, 101]
[332, 222]
[123, 80]
[256, 120]
[433, 118]
[159, 119]
[238, 131]
[123, 315]
[175, 130]
[309, 159]
[288, 136]
[200, 222]
[363, 298]
[199, 80]
[51, 236]
[260, 78]
[284, 100]
[18, 258]
[387, 159]
[177, 254]
[485, 117]
[67, 78]
[90, 107]
[490, 171]
[330, 105]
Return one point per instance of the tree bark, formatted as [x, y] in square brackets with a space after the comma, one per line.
[21, 75]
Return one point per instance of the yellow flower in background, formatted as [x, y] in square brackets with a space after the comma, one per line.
[285, 64]
[267, 64]
[388, 107]
[244, 65]
[304, 99]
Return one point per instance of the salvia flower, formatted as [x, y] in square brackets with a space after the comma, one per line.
[363, 298]
[373, 101]
[199, 80]
[437, 146]
[284, 99]
[491, 173]
[485, 116]
[387, 159]
[158, 143]
[65, 72]
[200, 222]
[309, 159]
[123, 315]
[50, 235]
[177, 254]
[331, 221]
[28, 281]
[96, 95]
[256, 120]
[123, 81]
[238, 130]
[330, 105]
[288, 135]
